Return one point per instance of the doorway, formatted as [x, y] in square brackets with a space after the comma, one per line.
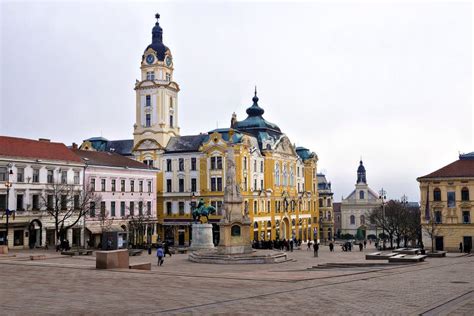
[181, 237]
[439, 243]
[467, 241]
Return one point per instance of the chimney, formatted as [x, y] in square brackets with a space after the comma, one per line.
[74, 146]
[46, 140]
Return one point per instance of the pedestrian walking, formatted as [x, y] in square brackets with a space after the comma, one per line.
[149, 249]
[160, 255]
[291, 245]
[309, 244]
[365, 243]
[360, 246]
[316, 249]
[331, 247]
[167, 249]
[460, 247]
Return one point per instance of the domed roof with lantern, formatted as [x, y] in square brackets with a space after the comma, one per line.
[157, 40]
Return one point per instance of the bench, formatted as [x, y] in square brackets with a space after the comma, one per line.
[379, 256]
[135, 252]
[407, 251]
[140, 266]
[37, 257]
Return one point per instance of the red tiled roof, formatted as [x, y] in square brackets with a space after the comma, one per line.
[458, 169]
[29, 148]
[111, 159]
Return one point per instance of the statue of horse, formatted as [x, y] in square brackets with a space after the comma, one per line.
[203, 211]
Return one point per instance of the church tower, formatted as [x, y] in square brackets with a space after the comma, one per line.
[156, 100]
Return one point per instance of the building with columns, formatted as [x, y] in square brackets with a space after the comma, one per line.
[326, 213]
[278, 180]
[357, 206]
[30, 172]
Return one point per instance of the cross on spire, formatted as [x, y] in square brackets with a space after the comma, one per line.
[157, 16]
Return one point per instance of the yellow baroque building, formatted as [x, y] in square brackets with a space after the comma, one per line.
[278, 180]
[447, 204]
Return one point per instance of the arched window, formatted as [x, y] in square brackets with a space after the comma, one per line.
[255, 225]
[465, 194]
[361, 195]
[285, 176]
[320, 202]
[277, 174]
[171, 120]
[353, 220]
[269, 224]
[436, 194]
[362, 220]
[255, 207]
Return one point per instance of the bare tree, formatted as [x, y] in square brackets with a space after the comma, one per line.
[105, 221]
[432, 229]
[67, 204]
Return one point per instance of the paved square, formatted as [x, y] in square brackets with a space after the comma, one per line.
[62, 284]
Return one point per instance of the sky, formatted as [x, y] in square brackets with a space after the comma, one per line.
[388, 82]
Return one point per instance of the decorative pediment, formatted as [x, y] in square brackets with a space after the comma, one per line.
[215, 142]
[147, 144]
[284, 146]
[86, 145]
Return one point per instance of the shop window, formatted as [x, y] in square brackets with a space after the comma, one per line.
[18, 238]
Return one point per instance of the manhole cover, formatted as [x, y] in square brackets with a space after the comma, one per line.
[459, 282]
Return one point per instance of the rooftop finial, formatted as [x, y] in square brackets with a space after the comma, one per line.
[255, 90]
[157, 16]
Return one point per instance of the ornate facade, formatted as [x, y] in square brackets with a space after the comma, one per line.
[326, 213]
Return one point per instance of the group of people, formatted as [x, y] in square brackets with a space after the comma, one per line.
[284, 244]
[62, 245]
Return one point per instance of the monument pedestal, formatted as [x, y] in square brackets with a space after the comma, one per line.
[201, 237]
[234, 238]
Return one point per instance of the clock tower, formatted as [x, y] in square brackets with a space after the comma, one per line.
[156, 101]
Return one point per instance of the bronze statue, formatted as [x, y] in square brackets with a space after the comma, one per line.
[202, 210]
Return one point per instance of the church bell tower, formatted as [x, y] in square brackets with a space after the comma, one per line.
[156, 100]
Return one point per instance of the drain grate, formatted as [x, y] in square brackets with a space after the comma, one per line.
[459, 282]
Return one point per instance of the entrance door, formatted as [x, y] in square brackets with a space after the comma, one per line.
[181, 237]
[467, 241]
[439, 243]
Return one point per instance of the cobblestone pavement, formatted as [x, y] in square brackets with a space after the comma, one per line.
[62, 284]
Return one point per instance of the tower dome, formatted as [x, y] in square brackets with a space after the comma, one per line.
[361, 174]
[157, 40]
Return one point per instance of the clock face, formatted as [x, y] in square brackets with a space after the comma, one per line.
[168, 61]
[150, 59]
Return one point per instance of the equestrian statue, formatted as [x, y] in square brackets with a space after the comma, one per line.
[202, 210]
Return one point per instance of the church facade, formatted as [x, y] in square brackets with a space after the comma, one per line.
[278, 180]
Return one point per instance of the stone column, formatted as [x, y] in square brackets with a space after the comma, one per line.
[43, 236]
[69, 235]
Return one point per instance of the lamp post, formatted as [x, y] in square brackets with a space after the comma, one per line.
[8, 185]
[383, 193]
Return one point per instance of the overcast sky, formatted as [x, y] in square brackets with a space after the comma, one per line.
[391, 83]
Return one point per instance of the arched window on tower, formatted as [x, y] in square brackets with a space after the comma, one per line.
[361, 195]
[353, 219]
[171, 120]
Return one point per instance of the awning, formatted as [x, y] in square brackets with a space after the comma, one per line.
[98, 230]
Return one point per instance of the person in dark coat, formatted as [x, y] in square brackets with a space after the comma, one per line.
[460, 247]
[291, 245]
[149, 249]
[331, 247]
[316, 249]
[360, 246]
[160, 255]
[167, 249]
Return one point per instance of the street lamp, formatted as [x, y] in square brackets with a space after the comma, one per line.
[8, 185]
[383, 197]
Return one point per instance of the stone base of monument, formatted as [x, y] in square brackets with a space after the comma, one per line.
[254, 257]
[201, 237]
[113, 259]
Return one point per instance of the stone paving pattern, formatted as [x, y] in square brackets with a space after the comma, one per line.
[63, 284]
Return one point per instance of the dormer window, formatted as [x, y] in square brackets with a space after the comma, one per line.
[168, 77]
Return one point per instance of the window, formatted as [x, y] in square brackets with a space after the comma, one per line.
[122, 185]
[171, 120]
[438, 217]
[148, 208]
[255, 207]
[277, 174]
[149, 187]
[36, 175]
[255, 184]
[255, 166]
[64, 202]
[353, 220]
[50, 177]
[219, 184]
[148, 100]
[132, 186]
[76, 202]
[76, 177]
[63, 177]
[329, 202]
[20, 174]
[92, 184]
[193, 164]
[437, 195]
[292, 177]
[168, 77]
[218, 206]
[465, 194]
[132, 208]
[245, 184]
[452, 199]
[140, 186]
[268, 206]
[181, 185]
[140, 208]
[18, 237]
[148, 120]
[169, 208]
[168, 165]
[261, 184]
[181, 208]
[35, 201]
[193, 206]
[216, 163]
[285, 175]
[168, 185]
[122, 209]
[261, 166]
[112, 209]
[19, 202]
[193, 185]
[213, 184]
[171, 102]
[102, 209]
[3, 174]
[148, 162]
[50, 201]
[102, 184]
[361, 195]
[92, 209]
[320, 202]
[181, 164]
[113, 185]
[466, 217]
[362, 220]
[245, 163]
